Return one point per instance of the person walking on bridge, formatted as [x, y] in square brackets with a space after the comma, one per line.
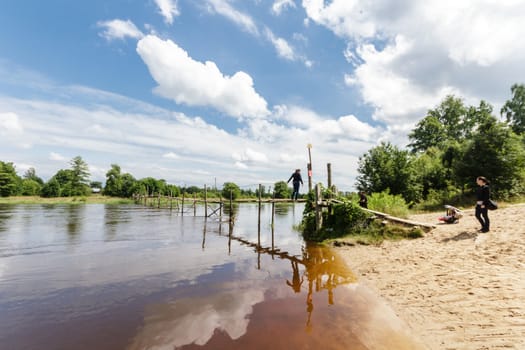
[297, 182]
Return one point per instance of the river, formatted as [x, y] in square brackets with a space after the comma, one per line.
[127, 277]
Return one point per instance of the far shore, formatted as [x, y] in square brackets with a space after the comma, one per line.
[93, 199]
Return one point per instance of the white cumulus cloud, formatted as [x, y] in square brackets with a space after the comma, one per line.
[405, 56]
[187, 81]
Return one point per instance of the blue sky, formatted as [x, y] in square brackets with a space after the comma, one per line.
[198, 92]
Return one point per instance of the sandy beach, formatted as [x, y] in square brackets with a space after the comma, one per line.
[455, 288]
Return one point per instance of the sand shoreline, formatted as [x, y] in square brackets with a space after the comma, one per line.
[455, 288]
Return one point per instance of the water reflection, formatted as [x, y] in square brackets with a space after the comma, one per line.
[5, 215]
[74, 218]
[283, 208]
[147, 278]
[114, 217]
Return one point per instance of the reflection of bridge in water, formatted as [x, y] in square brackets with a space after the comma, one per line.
[323, 270]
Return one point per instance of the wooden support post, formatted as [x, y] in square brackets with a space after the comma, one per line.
[329, 171]
[171, 200]
[309, 166]
[231, 207]
[158, 204]
[318, 208]
[205, 201]
[220, 208]
[273, 221]
[182, 205]
[194, 204]
[259, 218]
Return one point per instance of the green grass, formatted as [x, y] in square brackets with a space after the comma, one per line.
[376, 233]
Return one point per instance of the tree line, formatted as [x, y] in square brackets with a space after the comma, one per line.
[449, 147]
[75, 181]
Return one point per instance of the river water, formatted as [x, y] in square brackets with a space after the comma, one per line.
[127, 277]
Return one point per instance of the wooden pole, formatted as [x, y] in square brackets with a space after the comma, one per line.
[158, 204]
[329, 171]
[231, 207]
[309, 146]
[205, 201]
[259, 219]
[318, 208]
[182, 205]
[171, 200]
[273, 221]
[194, 204]
[220, 208]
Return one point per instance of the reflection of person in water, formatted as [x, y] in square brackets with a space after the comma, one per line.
[297, 280]
[309, 304]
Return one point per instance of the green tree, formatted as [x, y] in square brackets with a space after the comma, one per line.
[386, 167]
[514, 109]
[153, 186]
[129, 185]
[30, 174]
[30, 187]
[281, 190]
[9, 181]
[80, 177]
[230, 187]
[448, 121]
[113, 182]
[51, 188]
[497, 153]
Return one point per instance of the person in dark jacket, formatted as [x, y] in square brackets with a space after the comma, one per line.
[297, 182]
[482, 199]
[363, 201]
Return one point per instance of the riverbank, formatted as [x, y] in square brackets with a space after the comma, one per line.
[455, 288]
[93, 199]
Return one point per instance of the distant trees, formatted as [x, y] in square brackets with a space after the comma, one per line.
[9, 181]
[69, 182]
[230, 188]
[282, 190]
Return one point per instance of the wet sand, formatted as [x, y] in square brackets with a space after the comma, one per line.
[455, 288]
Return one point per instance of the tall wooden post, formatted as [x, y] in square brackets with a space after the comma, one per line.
[329, 171]
[273, 222]
[231, 207]
[318, 208]
[182, 205]
[259, 218]
[194, 204]
[309, 146]
[205, 201]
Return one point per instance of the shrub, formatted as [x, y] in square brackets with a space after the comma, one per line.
[385, 202]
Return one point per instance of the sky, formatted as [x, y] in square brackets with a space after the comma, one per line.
[203, 92]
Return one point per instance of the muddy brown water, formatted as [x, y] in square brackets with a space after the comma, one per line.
[127, 277]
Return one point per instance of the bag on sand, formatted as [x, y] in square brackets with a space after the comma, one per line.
[491, 205]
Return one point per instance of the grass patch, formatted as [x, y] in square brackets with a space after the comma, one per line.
[376, 233]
